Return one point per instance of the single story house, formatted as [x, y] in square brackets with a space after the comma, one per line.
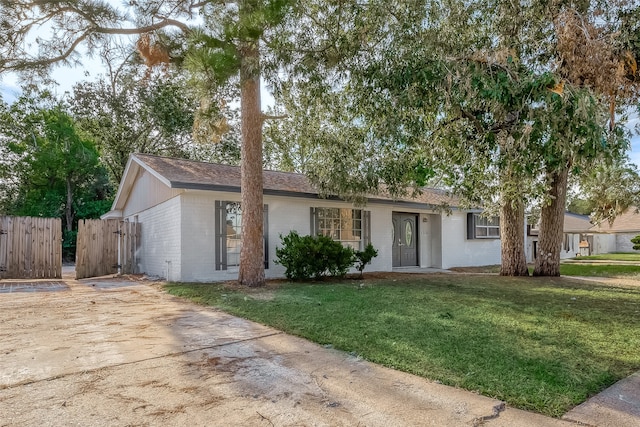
[576, 229]
[190, 221]
[581, 237]
[617, 237]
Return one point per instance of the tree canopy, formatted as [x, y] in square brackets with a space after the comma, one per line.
[217, 41]
[53, 167]
[502, 100]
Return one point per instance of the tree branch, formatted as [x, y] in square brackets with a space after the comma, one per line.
[166, 22]
[476, 123]
[43, 61]
[272, 117]
[22, 65]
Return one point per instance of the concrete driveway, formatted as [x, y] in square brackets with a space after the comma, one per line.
[116, 352]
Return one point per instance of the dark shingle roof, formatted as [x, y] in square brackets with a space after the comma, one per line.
[189, 174]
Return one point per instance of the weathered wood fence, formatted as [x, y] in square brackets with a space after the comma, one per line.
[30, 248]
[106, 247]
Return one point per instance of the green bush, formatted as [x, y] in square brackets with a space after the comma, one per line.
[636, 243]
[362, 258]
[306, 257]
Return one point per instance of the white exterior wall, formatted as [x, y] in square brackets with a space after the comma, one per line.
[178, 235]
[574, 246]
[285, 214]
[458, 251]
[381, 237]
[603, 243]
[147, 191]
[160, 246]
[293, 213]
[198, 236]
[623, 242]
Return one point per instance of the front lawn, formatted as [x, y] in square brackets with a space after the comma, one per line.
[541, 344]
[570, 269]
[599, 270]
[616, 256]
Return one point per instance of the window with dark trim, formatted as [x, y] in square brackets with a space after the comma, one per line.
[228, 220]
[482, 227]
[351, 227]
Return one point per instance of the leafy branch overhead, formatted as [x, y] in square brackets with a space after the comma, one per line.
[501, 100]
[71, 24]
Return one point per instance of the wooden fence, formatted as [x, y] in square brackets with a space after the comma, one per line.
[30, 248]
[106, 247]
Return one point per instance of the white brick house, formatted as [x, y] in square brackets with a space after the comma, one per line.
[617, 237]
[190, 220]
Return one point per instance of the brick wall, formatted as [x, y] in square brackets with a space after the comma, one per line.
[160, 249]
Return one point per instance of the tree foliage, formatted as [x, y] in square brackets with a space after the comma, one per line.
[54, 168]
[133, 110]
[225, 43]
[134, 115]
[610, 189]
[502, 99]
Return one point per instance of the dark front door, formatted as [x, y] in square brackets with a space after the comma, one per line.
[405, 239]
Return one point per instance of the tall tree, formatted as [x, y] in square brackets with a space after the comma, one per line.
[477, 89]
[56, 170]
[226, 43]
[609, 188]
[134, 110]
[590, 49]
[441, 86]
[134, 114]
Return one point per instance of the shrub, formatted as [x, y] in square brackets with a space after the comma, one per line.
[636, 243]
[306, 257]
[362, 258]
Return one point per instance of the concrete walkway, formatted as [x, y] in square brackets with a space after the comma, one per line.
[114, 352]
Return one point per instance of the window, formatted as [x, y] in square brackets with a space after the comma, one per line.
[347, 226]
[228, 217]
[233, 230]
[481, 227]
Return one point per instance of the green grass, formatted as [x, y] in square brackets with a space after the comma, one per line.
[541, 344]
[599, 270]
[616, 256]
[570, 269]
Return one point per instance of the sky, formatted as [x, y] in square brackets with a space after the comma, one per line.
[634, 153]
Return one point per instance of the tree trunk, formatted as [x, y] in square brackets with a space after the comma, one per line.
[251, 271]
[551, 226]
[514, 261]
[68, 209]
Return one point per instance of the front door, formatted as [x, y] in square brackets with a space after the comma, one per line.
[405, 237]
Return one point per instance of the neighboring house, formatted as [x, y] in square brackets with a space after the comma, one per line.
[617, 237]
[581, 237]
[191, 222]
[576, 229]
